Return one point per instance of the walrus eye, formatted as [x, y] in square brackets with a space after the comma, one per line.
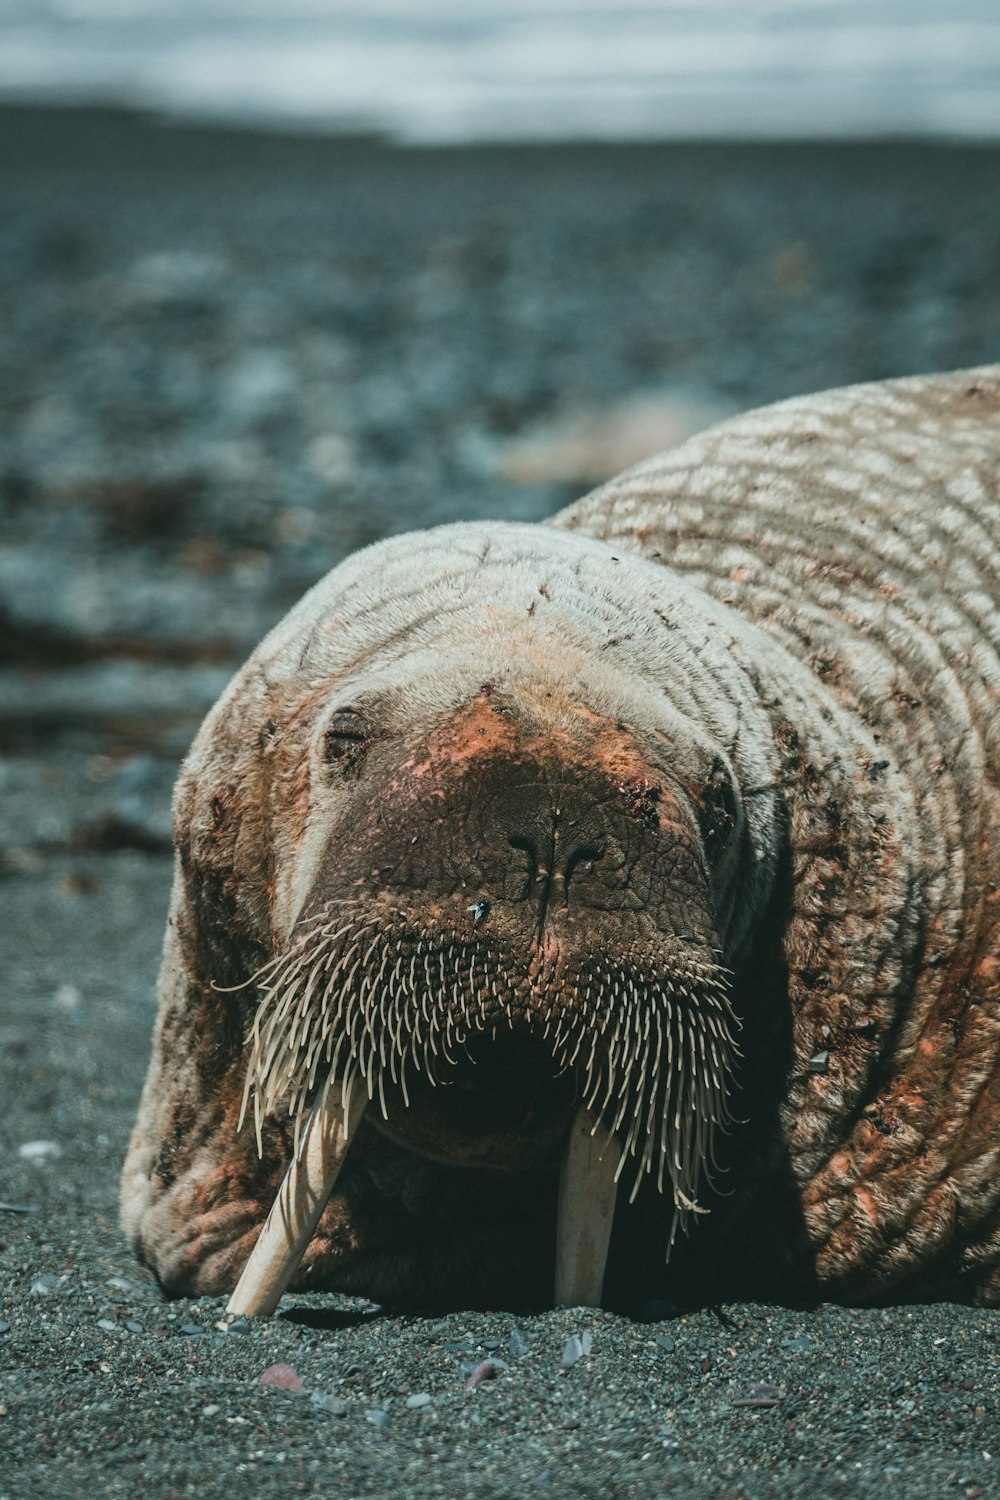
[345, 739]
[718, 810]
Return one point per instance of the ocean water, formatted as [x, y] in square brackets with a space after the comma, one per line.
[450, 70]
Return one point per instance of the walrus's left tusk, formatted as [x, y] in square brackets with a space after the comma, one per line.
[302, 1197]
[586, 1212]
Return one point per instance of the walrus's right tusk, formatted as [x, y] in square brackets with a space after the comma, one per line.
[586, 1212]
[302, 1197]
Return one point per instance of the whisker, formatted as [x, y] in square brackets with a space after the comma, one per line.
[363, 992]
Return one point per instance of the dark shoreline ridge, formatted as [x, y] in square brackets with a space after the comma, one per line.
[226, 359]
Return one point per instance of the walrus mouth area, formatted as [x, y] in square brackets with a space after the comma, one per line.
[467, 1054]
[505, 1104]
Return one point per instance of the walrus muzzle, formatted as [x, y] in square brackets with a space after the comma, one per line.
[499, 1022]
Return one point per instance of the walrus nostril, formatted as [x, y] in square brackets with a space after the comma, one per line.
[580, 862]
[522, 871]
[528, 875]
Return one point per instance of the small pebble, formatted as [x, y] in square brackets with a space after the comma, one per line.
[335, 1405]
[42, 1286]
[519, 1345]
[40, 1151]
[238, 1328]
[107, 1324]
[760, 1394]
[4, 1327]
[133, 1326]
[414, 1403]
[664, 1342]
[484, 1371]
[210, 1411]
[192, 1329]
[281, 1375]
[572, 1351]
[819, 1062]
[491, 1343]
[378, 1418]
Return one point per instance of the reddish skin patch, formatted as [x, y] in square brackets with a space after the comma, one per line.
[478, 731]
[472, 732]
[614, 753]
[867, 1203]
[987, 971]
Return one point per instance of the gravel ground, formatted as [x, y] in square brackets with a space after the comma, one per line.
[225, 360]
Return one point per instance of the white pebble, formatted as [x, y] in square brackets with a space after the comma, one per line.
[40, 1151]
[67, 997]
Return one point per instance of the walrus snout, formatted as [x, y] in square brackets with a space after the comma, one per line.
[506, 817]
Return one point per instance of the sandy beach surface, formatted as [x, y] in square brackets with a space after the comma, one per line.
[225, 361]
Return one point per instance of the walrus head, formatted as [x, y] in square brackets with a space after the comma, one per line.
[506, 916]
[510, 861]
[476, 841]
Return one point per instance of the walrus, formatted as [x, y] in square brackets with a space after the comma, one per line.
[609, 909]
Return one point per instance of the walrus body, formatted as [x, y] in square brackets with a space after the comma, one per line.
[682, 809]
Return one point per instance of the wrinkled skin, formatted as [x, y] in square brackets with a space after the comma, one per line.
[709, 719]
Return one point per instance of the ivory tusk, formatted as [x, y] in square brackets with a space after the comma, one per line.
[587, 1192]
[302, 1197]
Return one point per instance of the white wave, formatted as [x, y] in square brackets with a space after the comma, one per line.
[434, 70]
